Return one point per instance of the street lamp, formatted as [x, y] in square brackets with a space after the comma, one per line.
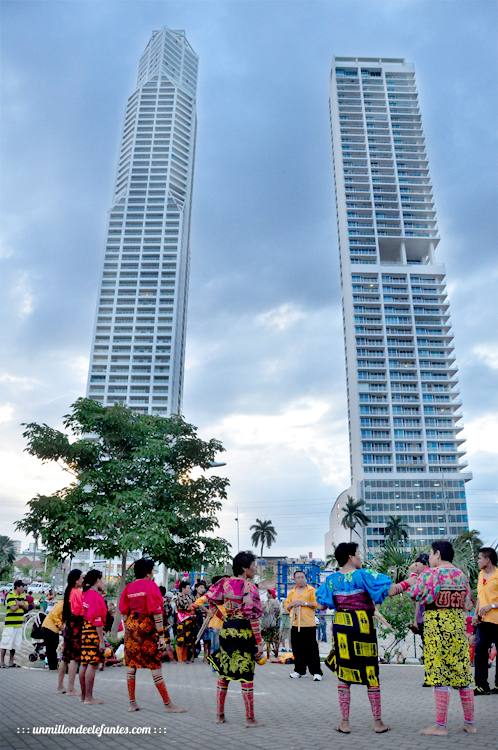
[238, 529]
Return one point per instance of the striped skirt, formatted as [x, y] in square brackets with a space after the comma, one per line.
[90, 652]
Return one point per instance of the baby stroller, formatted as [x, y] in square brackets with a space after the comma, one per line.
[35, 622]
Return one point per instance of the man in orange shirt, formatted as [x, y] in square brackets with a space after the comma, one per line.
[302, 605]
[487, 618]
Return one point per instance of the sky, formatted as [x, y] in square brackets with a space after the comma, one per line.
[265, 357]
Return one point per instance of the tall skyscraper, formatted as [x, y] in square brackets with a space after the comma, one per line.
[138, 350]
[403, 401]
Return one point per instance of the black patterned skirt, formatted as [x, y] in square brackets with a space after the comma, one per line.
[141, 642]
[185, 633]
[72, 638]
[355, 654]
[90, 652]
[235, 658]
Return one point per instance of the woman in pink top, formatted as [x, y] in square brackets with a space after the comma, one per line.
[92, 637]
[72, 615]
[141, 605]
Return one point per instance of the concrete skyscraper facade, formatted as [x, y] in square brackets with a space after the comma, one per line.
[138, 350]
[403, 401]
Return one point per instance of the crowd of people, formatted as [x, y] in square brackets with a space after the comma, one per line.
[236, 628]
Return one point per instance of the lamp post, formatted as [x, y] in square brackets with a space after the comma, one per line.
[238, 529]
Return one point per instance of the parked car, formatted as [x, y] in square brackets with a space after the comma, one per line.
[37, 587]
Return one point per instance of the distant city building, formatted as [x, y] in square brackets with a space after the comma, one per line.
[138, 349]
[404, 405]
[87, 559]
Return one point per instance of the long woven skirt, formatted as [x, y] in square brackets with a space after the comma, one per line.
[354, 658]
[72, 638]
[141, 642]
[446, 649]
[185, 633]
[235, 658]
[90, 652]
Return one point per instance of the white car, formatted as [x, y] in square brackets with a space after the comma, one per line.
[37, 587]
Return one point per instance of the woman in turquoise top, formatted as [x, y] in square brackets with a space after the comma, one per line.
[353, 592]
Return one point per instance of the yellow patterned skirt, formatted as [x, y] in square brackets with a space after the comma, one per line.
[90, 652]
[446, 649]
[235, 658]
[354, 657]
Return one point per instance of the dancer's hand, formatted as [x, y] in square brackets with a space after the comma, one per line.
[259, 652]
[162, 643]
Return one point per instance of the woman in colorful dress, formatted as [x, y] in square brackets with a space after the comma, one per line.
[185, 624]
[141, 605]
[92, 636]
[270, 623]
[445, 593]
[353, 592]
[72, 615]
[241, 644]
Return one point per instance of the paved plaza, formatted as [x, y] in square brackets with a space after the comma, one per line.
[297, 714]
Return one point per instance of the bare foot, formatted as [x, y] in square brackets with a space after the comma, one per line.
[344, 727]
[172, 708]
[93, 701]
[134, 707]
[380, 727]
[73, 694]
[253, 723]
[221, 719]
[434, 730]
[469, 728]
[61, 691]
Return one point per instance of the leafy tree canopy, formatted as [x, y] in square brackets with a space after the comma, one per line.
[133, 487]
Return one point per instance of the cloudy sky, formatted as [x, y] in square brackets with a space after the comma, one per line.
[265, 361]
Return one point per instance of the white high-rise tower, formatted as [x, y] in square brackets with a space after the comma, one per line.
[138, 349]
[403, 399]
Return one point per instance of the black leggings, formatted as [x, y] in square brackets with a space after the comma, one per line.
[51, 640]
[487, 634]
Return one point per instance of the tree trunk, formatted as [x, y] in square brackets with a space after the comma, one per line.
[262, 545]
[122, 584]
[34, 558]
[350, 534]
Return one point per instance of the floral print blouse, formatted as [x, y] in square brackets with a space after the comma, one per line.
[240, 598]
[442, 588]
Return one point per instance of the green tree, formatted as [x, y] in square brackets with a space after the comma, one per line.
[394, 560]
[330, 561]
[399, 612]
[263, 533]
[396, 529]
[7, 556]
[353, 516]
[132, 488]
[469, 539]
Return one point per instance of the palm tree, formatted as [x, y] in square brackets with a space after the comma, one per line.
[7, 555]
[469, 538]
[396, 529]
[353, 516]
[264, 534]
[394, 560]
[330, 561]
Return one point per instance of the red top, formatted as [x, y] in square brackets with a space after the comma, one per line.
[76, 601]
[141, 596]
[94, 608]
